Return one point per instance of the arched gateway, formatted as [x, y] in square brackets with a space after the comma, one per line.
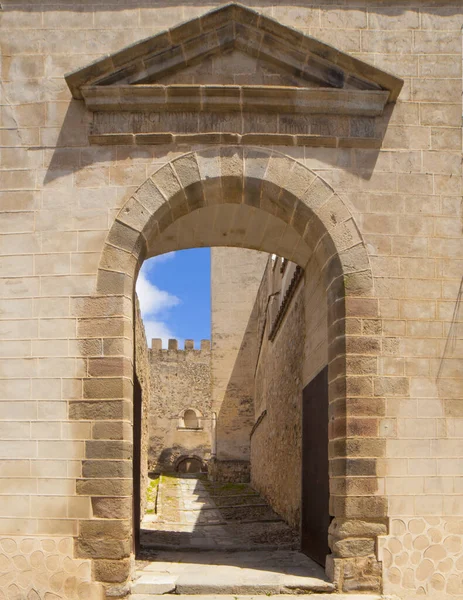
[280, 206]
[297, 92]
[234, 128]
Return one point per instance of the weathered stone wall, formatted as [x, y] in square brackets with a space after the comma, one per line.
[143, 372]
[235, 278]
[401, 429]
[180, 380]
[276, 438]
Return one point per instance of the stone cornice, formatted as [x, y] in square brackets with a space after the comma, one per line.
[235, 98]
[233, 27]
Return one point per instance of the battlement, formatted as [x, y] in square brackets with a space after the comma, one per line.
[189, 345]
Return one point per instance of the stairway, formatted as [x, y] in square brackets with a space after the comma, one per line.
[223, 542]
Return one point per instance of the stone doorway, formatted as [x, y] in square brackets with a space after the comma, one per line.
[213, 191]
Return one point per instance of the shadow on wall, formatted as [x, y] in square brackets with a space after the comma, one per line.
[77, 124]
[171, 459]
[236, 416]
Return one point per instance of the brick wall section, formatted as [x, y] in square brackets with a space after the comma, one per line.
[180, 380]
[59, 198]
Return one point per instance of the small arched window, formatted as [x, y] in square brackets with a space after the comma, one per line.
[190, 420]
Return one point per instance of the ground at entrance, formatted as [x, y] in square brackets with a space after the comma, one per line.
[205, 538]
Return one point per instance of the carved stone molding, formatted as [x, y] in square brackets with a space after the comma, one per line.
[302, 91]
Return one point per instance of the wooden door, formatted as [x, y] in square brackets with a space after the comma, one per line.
[315, 517]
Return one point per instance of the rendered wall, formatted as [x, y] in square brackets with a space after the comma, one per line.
[59, 196]
[180, 380]
[235, 277]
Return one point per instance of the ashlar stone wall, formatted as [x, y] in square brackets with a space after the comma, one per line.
[398, 441]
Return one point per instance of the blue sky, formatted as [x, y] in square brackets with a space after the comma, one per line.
[174, 291]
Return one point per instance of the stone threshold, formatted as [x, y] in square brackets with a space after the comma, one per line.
[215, 523]
[311, 596]
[207, 547]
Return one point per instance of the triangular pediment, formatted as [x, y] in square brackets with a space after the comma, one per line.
[231, 29]
[235, 67]
[234, 76]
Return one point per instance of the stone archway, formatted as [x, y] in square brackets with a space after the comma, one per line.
[295, 214]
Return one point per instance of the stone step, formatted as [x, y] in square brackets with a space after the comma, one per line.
[199, 584]
[207, 546]
[245, 573]
[316, 596]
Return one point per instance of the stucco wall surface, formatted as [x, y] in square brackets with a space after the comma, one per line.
[235, 277]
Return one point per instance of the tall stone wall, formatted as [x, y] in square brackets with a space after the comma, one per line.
[276, 436]
[235, 277]
[180, 381]
[143, 373]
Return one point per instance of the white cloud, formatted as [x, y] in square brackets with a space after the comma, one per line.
[157, 329]
[152, 299]
[154, 302]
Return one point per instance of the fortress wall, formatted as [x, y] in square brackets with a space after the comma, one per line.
[180, 380]
[276, 437]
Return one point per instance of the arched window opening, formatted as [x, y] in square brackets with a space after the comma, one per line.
[190, 419]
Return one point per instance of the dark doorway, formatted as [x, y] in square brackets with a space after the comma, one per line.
[137, 426]
[189, 465]
[315, 517]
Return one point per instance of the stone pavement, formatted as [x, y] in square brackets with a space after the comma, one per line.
[254, 572]
[321, 596]
[194, 514]
[207, 538]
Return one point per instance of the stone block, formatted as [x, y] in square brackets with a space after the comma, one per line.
[102, 548]
[103, 410]
[105, 487]
[231, 166]
[112, 571]
[109, 367]
[108, 449]
[106, 468]
[353, 547]
[111, 430]
[111, 508]
[107, 387]
[110, 282]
